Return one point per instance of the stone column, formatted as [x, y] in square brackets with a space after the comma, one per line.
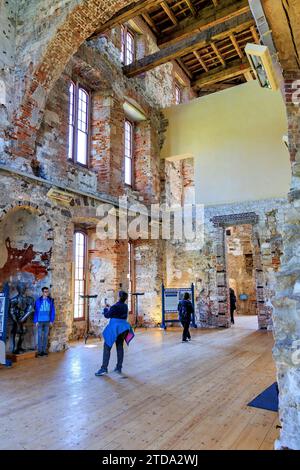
[287, 303]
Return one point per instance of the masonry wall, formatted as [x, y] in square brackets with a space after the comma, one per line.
[7, 64]
[200, 263]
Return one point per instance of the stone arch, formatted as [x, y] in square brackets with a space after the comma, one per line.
[79, 24]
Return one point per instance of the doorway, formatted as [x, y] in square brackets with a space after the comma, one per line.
[240, 267]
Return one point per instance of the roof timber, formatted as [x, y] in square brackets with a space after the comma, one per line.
[185, 46]
[206, 18]
[221, 74]
[126, 14]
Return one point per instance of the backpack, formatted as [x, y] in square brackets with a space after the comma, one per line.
[182, 310]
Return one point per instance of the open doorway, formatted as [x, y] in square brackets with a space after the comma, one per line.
[241, 273]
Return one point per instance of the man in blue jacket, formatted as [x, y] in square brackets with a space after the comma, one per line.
[116, 331]
[44, 315]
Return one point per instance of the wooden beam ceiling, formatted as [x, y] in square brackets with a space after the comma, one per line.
[190, 44]
[206, 18]
[221, 74]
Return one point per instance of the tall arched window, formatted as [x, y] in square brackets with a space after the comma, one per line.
[78, 124]
[80, 262]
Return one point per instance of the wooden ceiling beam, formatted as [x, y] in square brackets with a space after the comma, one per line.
[146, 17]
[191, 7]
[218, 54]
[220, 74]
[255, 35]
[169, 12]
[125, 14]
[205, 19]
[185, 46]
[236, 46]
[184, 68]
[202, 63]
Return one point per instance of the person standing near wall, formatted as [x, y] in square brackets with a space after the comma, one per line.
[185, 310]
[232, 298]
[116, 331]
[44, 316]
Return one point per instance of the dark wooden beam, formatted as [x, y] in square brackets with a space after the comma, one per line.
[185, 46]
[191, 7]
[137, 7]
[220, 74]
[206, 18]
[169, 12]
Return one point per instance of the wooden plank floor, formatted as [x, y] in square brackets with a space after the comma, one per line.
[174, 395]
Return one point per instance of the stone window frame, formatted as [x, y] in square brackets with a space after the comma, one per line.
[77, 87]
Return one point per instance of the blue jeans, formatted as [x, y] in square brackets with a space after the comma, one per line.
[43, 332]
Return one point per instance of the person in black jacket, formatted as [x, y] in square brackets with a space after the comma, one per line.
[232, 298]
[185, 310]
[115, 332]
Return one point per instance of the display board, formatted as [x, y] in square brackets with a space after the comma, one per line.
[170, 299]
[4, 302]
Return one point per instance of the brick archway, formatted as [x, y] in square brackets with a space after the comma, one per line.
[79, 24]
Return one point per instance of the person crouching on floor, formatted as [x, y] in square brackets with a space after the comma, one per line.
[117, 330]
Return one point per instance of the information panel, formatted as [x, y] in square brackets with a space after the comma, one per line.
[170, 300]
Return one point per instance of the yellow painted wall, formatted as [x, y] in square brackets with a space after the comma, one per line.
[235, 137]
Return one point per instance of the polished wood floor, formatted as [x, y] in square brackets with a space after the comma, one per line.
[173, 396]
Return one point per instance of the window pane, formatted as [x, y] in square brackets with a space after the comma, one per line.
[71, 119]
[81, 147]
[177, 95]
[129, 48]
[71, 136]
[79, 281]
[128, 170]
[122, 43]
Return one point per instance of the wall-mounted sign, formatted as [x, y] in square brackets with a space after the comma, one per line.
[170, 300]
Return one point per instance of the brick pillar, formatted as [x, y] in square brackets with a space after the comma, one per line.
[107, 142]
[149, 270]
[287, 303]
[147, 161]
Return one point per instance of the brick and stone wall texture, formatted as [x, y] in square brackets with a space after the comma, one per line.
[287, 302]
[190, 262]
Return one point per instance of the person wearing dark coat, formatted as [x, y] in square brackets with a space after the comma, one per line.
[117, 331]
[185, 310]
[232, 304]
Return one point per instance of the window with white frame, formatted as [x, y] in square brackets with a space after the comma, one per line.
[127, 46]
[128, 147]
[80, 251]
[78, 124]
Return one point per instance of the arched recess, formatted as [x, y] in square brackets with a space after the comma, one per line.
[79, 25]
[26, 242]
